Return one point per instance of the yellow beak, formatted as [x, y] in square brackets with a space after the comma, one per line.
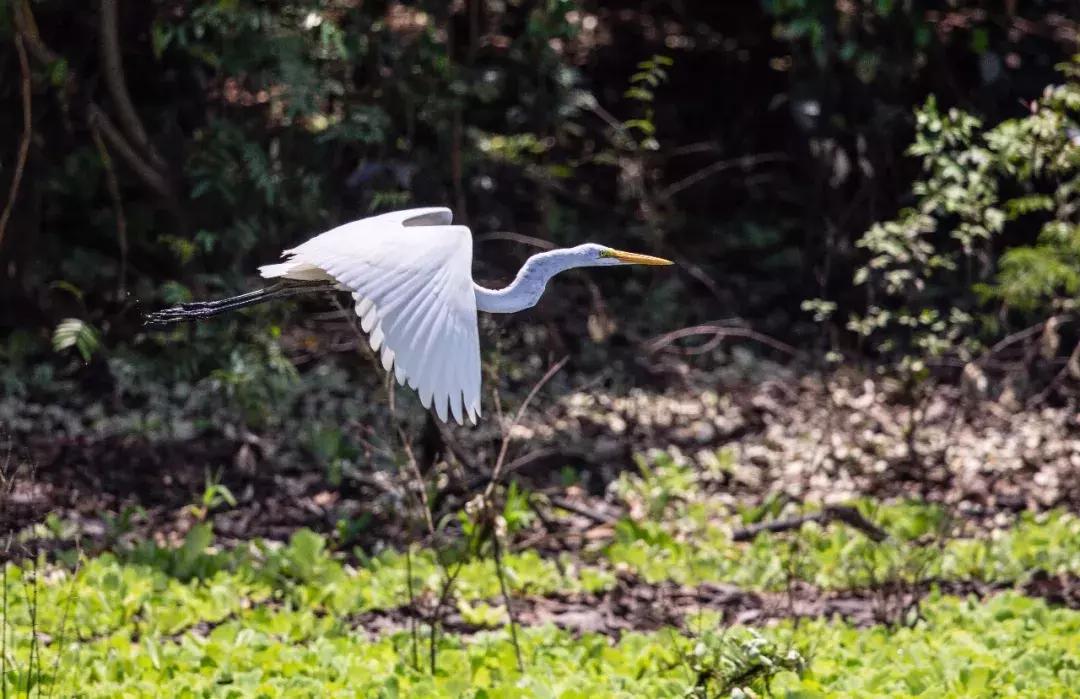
[633, 258]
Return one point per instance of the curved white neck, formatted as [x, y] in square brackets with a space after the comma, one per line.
[528, 286]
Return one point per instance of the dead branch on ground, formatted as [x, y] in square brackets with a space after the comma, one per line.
[832, 513]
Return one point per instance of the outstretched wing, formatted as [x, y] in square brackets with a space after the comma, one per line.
[411, 276]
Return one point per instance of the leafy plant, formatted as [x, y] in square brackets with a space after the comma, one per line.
[733, 663]
[651, 74]
[978, 182]
[78, 334]
[214, 495]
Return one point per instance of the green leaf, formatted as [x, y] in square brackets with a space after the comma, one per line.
[73, 332]
[639, 93]
[58, 72]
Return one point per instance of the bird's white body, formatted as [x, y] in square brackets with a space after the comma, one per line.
[410, 273]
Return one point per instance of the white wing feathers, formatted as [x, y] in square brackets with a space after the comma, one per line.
[411, 276]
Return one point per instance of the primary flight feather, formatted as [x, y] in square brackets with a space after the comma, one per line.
[410, 275]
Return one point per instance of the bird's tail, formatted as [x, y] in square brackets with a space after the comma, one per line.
[295, 269]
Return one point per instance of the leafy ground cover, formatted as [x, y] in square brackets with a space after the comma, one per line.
[684, 538]
[299, 619]
[960, 647]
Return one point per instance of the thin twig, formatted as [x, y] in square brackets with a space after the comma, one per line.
[497, 399]
[1020, 336]
[506, 600]
[699, 274]
[35, 652]
[7, 484]
[515, 238]
[693, 148]
[24, 140]
[608, 118]
[745, 162]
[452, 445]
[4, 624]
[1071, 365]
[597, 517]
[496, 473]
[420, 486]
[63, 627]
[487, 504]
[448, 586]
[413, 631]
[719, 332]
[518, 463]
[420, 483]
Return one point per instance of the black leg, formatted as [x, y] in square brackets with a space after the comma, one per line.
[197, 310]
[192, 305]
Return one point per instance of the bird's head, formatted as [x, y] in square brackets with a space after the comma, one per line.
[595, 255]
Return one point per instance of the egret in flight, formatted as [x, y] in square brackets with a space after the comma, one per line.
[410, 273]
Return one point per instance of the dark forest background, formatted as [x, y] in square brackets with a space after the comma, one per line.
[173, 146]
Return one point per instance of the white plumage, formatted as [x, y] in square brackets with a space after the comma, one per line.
[410, 273]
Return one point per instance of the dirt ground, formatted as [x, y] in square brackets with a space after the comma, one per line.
[810, 441]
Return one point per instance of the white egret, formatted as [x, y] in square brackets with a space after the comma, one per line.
[410, 273]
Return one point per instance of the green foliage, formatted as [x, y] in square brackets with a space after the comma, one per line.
[651, 74]
[659, 484]
[907, 318]
[276, 619]
[969, 171]
[677, 533]
[845, 33]
[254, 378]
[169, 590]
[1008, 645]
[214, 495]
[274, 121]
[78, 334]
[135, 631]
[732, 662]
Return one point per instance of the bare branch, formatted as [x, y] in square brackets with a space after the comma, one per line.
[505, 590]
[497, 471]
[593, 515]
[1021, 336]
[746, 162]
[516, 238]
[114, 80]
[833, 513]
[24, 140]
[147, 172]
[719, 332]
[1071, 368]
